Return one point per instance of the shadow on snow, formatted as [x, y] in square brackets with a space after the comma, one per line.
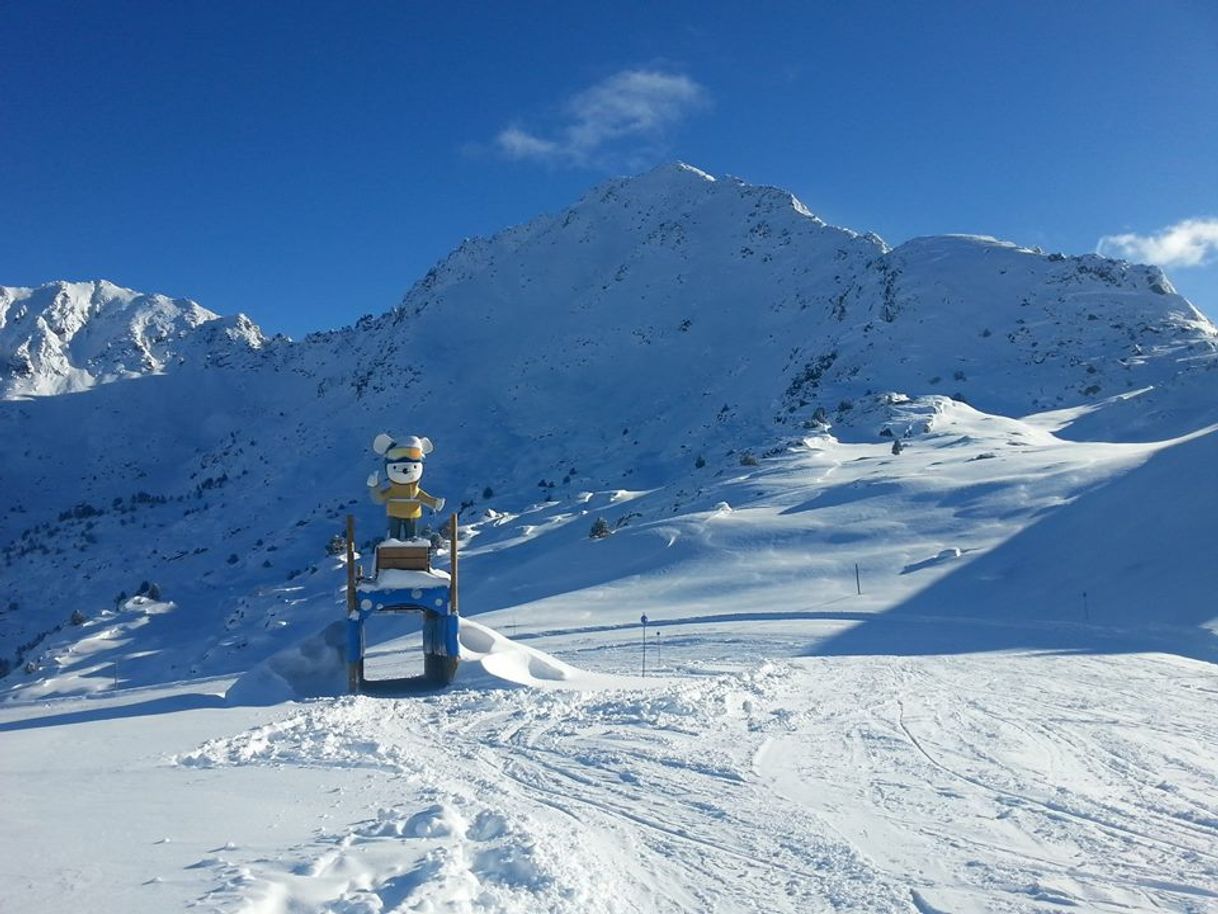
[1128, 566]
[111, 710]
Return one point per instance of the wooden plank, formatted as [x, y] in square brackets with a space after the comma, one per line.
[452, 553]
[402, 551]
[405, 558]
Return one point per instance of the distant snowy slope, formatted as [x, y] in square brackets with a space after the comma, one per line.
[1135, 553]
[69, 336]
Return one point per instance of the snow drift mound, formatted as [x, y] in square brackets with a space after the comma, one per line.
[486, 653]
[489, 659]
[317, 668]
[313, 668]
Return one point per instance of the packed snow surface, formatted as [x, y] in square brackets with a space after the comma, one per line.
[1013, 781]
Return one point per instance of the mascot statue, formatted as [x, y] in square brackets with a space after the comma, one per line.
[401, 495]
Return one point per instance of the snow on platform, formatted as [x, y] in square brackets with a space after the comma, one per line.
[400, 579]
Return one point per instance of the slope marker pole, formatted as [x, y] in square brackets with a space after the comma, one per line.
[858, 582]
[644, 621]
[354, 665]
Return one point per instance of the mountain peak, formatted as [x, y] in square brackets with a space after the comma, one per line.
[68, 336]
[681, 170]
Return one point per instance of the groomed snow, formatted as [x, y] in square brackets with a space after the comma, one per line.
[1015, 781]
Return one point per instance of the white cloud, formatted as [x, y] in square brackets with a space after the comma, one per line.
[519, 144]
[633, 105]
[1189, 243]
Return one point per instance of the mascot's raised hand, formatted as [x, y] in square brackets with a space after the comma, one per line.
[402, 495]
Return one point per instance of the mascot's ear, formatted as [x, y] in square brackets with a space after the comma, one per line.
[381, 443]
[426, 445]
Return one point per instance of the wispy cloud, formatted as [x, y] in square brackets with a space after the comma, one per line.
[1189, 243]
[628, 108]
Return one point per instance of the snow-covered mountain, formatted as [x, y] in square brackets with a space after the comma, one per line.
[767, 310]
[68, 336]
[649, 337]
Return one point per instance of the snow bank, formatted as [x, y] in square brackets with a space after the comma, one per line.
[491, 659]
[312, 668]
[486, 651]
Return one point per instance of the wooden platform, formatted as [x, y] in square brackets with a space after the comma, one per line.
[404, 558]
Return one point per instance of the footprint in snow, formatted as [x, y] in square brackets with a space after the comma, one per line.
[487, 826]
[438, 821]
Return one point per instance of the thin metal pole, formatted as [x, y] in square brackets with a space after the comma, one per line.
[657, 648]
[858, 582]
[644, 621]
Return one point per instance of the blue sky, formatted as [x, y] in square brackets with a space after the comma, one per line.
[306, 162]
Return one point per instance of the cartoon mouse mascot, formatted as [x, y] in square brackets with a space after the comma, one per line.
[402, 497]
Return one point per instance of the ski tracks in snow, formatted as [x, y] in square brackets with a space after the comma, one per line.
[1000, 782]
[1011, 782]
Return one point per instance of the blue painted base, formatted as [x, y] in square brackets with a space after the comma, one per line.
[441, 645]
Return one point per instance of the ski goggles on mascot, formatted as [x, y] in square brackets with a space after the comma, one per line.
[404, 454]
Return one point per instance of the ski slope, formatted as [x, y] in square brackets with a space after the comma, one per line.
[964, 735]
[1014, 781]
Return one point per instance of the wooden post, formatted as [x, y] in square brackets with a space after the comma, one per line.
[354, 666]
[452, 558]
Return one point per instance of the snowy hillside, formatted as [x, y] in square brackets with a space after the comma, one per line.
[924, 532]
[648, 338]
[68, 336]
